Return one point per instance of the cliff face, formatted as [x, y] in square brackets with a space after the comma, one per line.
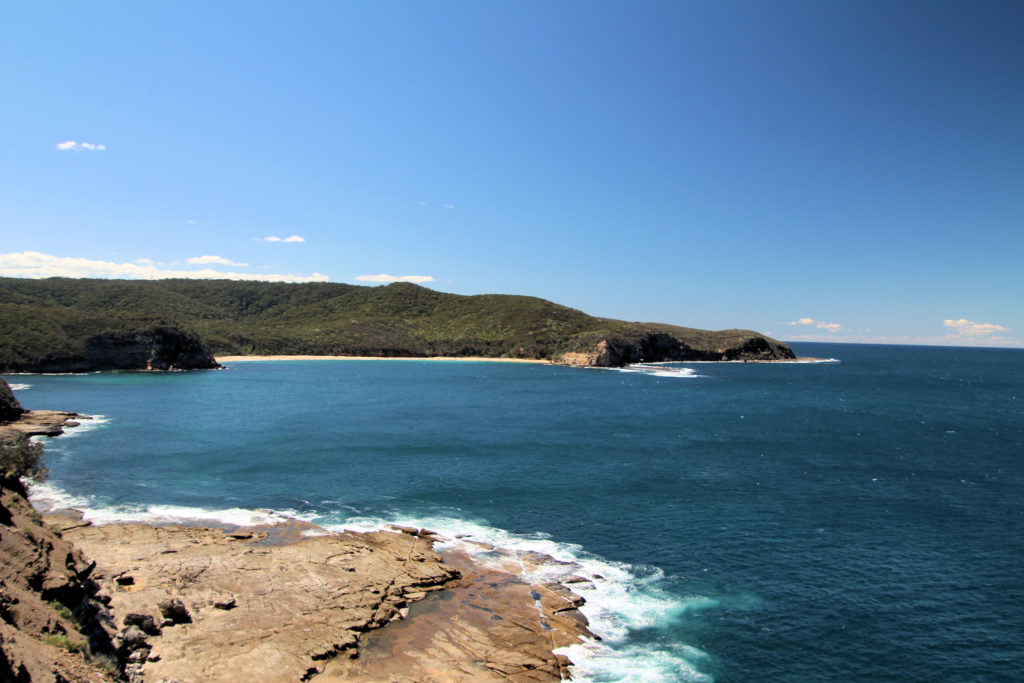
[162, 347]
[10, 409]
[155, 347]
[50, 614]
[617, 350]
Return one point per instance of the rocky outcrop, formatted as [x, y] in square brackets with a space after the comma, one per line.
[492, 626]
[53, 623]
[272, 604]
[41, 423]
[617, 350]
[154, 347]
[162, 347]
[10, 408]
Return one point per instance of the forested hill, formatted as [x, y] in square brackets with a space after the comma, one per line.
[53, 323]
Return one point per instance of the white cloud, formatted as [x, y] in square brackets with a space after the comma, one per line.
[191, 222]
[448, 206]
[205, 259]
[272, 238]
[73, 146]
[383, 277]
[145, 261]
[33, 264]
[865, 337]
[820, 324]
[968, 328]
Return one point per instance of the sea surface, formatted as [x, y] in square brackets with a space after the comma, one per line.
[861, 519]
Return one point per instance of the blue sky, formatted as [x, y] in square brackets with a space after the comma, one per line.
[815, 170]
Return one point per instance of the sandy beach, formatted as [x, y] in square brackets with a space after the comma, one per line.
[477, 359]
[474, 359]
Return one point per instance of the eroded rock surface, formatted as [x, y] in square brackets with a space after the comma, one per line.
[247, 610]
[492, 626]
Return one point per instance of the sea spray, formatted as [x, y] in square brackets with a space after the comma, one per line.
[620, 598]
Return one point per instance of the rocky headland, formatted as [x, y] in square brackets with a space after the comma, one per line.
[157, 347]
[657, 346]
[64, 325]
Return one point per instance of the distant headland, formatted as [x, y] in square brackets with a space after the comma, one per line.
[80, 325]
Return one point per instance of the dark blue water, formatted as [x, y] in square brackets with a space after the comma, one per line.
[861, 520]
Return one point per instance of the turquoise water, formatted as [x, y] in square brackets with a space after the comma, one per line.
[858, 520]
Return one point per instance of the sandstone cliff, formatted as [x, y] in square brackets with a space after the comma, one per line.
[660, 345]
[159, 346]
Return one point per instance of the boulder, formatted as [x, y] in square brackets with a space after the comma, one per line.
[174, 609]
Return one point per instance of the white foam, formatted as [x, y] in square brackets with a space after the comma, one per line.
[658, 370]
[19, 387]
[85, 425]
[170, 514]
[619, 598]
[47, 497]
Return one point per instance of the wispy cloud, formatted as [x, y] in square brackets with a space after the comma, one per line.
[191, 222]
[448, 206]
[866, 337]
[220, 260]
[820, 324]
[72, 146]
[383, 277]
[968, 328]
[272, 238]
[33, 264]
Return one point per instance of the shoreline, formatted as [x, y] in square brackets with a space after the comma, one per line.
[487, 359]
[292, 600]
[470, 359]
[274, 603]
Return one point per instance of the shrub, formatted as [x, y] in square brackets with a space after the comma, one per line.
[61, 641]
[61, 609]
[22, 458]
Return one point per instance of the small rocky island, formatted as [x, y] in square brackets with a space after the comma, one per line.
[66, 325]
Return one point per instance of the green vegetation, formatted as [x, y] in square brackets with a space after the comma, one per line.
[61, 609]
[60, 640]
[44, 322]
[22, 458]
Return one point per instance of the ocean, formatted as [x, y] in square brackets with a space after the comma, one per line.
[859, 519]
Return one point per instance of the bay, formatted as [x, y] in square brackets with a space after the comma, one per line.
[851, 520]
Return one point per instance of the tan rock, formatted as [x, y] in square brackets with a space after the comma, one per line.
[294, 606]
